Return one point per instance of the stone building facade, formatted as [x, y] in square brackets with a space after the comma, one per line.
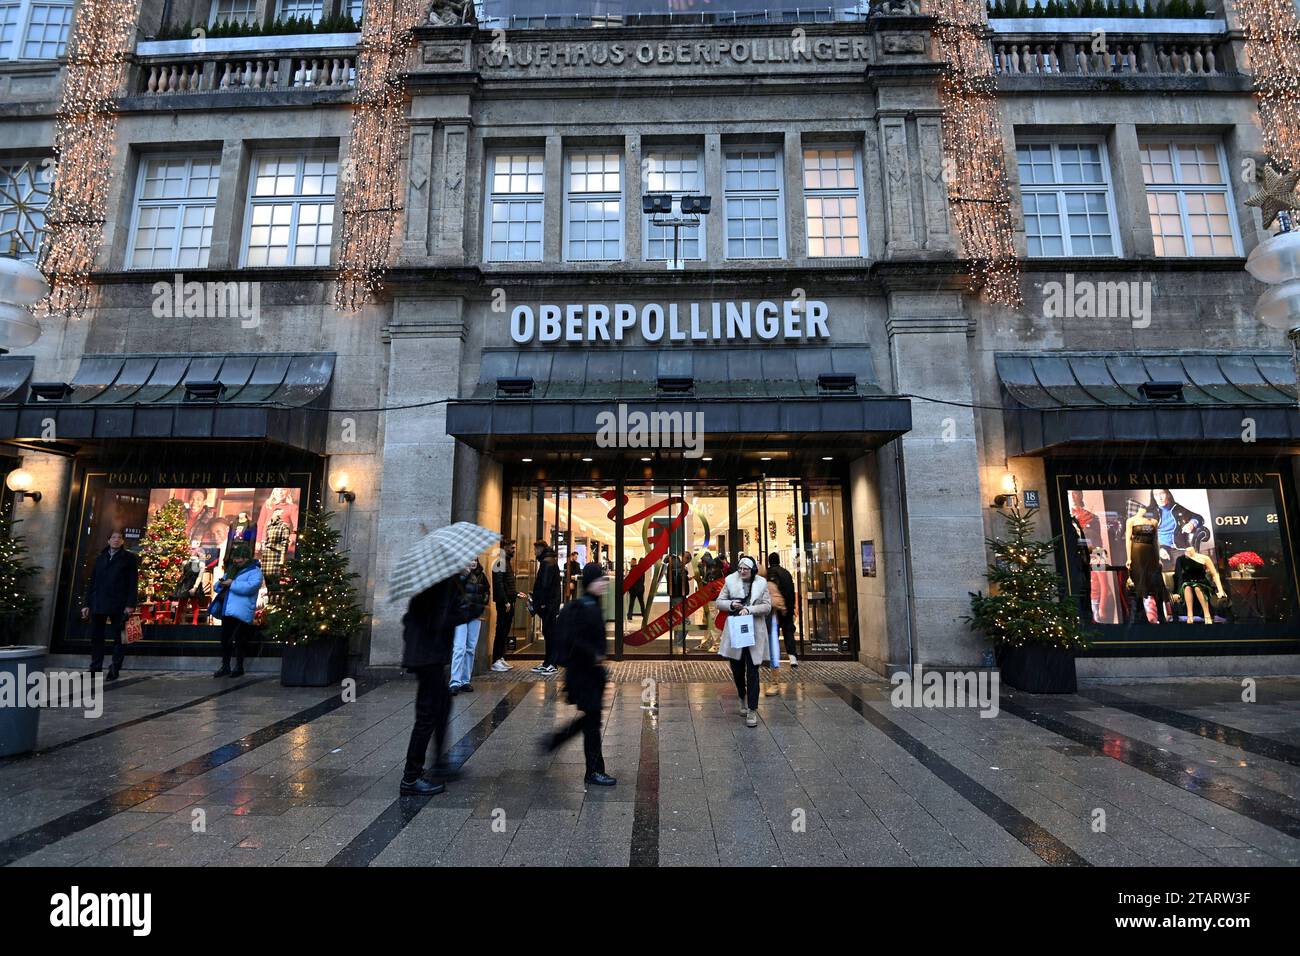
[859, 406]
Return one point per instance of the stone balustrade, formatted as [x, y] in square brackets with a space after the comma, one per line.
[332, 71]
[1111, 55]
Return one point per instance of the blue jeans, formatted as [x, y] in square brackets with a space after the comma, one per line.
[463, 645]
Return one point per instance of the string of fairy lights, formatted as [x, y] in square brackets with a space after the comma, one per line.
[372, 183]
[979, 193]
[1272, 32]
[85, 132]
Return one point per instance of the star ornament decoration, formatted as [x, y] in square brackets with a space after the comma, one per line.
[1277, 195]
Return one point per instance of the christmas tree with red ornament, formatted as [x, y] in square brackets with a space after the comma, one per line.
[163, 552]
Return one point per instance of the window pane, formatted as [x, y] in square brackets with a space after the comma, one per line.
[1157, 163]
[312, 9]
[47, 31]
[240, 11]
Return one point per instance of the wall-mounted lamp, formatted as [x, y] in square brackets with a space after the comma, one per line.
[19, 481]
[1009, 491]
[339, 483]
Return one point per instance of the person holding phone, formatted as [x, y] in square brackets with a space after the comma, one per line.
[745, 593]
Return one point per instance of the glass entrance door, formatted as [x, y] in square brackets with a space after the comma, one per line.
[668, 545]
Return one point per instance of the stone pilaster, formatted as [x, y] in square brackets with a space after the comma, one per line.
[425, 338]
[929, 355]
[449, 183]
[419, 189]
[896, 170]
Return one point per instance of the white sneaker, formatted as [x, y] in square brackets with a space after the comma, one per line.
[500, 666]
[793, 662]
[551, 669]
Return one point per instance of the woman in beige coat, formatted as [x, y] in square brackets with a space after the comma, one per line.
[744, 592]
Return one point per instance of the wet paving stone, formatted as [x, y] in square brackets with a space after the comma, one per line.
[180, 771]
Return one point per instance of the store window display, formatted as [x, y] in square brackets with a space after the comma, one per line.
[203, 525]
[1171, 555]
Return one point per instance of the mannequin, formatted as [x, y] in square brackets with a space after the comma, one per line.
[1144, 567]
[191, 590]
[1193, 572]
[1102, 597]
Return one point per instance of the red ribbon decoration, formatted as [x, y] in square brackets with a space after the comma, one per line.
[658, 548]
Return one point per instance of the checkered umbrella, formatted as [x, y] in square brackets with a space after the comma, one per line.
[439, 555]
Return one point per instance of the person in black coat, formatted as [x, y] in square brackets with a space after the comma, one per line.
[427, 629]
[548, 594]
[110, 600]
[780, 577]
[581, 630]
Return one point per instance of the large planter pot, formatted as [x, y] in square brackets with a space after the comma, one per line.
[19, 724]
[1038, 669]
[317, 664]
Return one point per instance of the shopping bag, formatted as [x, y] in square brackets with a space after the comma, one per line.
[740, 630]
[134, 630]
[773, 643]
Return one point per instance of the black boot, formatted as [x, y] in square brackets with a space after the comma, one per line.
[112, 672]
[598, 779]
[419, 787]
[222, 671]
[238, 671]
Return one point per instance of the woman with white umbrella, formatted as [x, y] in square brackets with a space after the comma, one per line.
[427, 572]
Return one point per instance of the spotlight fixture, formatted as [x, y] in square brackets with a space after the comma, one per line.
[20, 481]
[339, 483]
[1009, 491]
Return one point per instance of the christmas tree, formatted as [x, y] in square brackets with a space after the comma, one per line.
[1027, 606]
[163, 552]
[316, 600]
[18, 605]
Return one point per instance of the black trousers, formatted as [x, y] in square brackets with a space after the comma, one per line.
[745, 673]
[786, 623]
[588, 724]
[548, 635]
[633, 598]
[432, 706]
[501, 638]
[234, 637]
[99, 623]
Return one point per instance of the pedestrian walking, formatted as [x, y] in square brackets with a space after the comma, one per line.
[504, 594]
[785, 607]
[235, 603]
[545, 602]
[580, 631]
[110, 600]
[745, 595]
[425, 575]
[472, 593]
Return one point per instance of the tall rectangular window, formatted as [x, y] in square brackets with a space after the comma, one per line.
[676, 172]
[291, 209]
[593, 207]
[753, 199]
[313, 10]
[354, 8]
[233, 11]
[514, 208]
[175, 202]
[833, 202]
[24, 194]
[1068, 204]
[34, 29]
[1188, 198]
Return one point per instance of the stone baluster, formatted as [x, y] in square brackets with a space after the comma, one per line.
[1210, 66]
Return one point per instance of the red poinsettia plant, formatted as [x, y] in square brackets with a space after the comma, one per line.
[1245, 559]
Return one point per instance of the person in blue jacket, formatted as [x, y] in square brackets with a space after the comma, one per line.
[238, 594]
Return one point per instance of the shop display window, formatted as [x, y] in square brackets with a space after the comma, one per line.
[1147, 551]
[182, 535]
